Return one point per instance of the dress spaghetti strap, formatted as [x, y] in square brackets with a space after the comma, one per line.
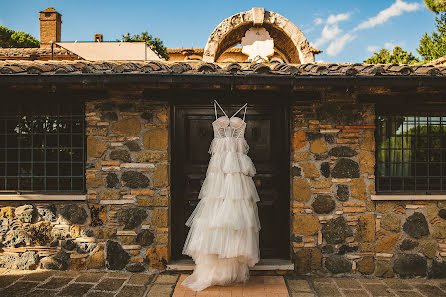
[215, 107]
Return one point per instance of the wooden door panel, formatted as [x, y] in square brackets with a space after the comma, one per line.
[267, 136]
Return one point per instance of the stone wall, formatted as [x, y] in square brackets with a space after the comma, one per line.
[124, 224]
[336, 227]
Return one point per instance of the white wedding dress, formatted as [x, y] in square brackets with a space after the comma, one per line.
[223, 239]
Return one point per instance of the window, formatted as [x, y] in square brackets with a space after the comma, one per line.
[42, 147]
[411, 154]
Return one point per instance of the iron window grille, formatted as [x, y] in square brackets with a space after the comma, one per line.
[411, 154]
[42, 147]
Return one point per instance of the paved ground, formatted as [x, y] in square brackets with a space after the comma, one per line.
[15, 283]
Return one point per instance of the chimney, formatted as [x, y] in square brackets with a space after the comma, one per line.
[98, 38]
[50, 27]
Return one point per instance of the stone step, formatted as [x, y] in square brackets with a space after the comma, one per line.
[263, 265]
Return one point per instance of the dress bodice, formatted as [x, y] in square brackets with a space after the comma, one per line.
[229, 127]
[225, 126]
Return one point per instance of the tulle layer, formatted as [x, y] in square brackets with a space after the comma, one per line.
[212, 270]
[231, 162]
[235, 214]
[224, 242]
[235, 186]
[229, 144]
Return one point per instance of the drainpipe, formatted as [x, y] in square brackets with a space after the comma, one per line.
[52, 50]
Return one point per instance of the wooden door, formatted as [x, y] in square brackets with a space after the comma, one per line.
[267, 136]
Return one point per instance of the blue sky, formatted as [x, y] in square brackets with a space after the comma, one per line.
[347, 31]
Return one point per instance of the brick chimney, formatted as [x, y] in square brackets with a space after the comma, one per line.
[50, 27]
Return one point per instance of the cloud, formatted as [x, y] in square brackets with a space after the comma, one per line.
[337, 39]
[372, 48]
[338, 45]
[336, 18]
[396, 9]
[318, 21]
[331, 29]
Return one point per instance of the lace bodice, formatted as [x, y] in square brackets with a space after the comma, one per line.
[225, 126]
[229, 127]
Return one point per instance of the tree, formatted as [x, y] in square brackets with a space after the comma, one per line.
[433, 46]
[398, 56]
[154, 43]
[11, 38]
[436, 5]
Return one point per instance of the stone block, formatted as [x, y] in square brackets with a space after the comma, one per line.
[162, 239]
[439, 231]
[410, 265]
[116, 257]
[152, 201]
[95, 182]
[321, 183]
[157, 257]
[367, 162]
[323, 204]
[310, 170]
[74, 214]
[358, 190]
[121, 155]
[365, 231]
[135, 179]
[109, 194]
[301, 156]
[338, 264]
[145, 237]
[368, 141]
[156, 139]
[391, 222]
[387, 244]
[307, 260]
[98, 215]
[41, 232]
[95, 147]
[151, 157]
[301, 190]
[131, 217]
[318, 146]
[127, 127]
[161, 176]
[416, 225]
[298, 140]
[336, 231]
[366, 265]
[96, 131]
[305, 225]
[345, 168]
[160, 217]
[342, 193]
[383, 269]
[342, 151]
[428, 248]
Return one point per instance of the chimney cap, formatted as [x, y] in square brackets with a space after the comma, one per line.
[50, 9]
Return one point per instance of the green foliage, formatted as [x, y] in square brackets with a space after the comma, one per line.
[433, 46]
[154, 43]
[398, 56]
[436, 5]
[11, 38]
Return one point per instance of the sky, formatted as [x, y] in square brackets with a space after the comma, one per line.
[346, 31]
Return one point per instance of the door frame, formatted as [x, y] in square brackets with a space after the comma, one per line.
[175, 221]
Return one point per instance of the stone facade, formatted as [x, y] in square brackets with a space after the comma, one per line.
[124, 224]
[336, 227]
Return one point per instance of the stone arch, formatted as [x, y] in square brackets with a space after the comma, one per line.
[288, 39]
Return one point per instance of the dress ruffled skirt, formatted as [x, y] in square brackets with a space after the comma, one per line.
[223, 239]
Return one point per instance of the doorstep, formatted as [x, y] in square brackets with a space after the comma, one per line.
[264, 264]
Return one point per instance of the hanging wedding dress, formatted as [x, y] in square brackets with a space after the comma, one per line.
[223, 239]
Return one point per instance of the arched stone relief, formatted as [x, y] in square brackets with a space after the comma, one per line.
[288, 39]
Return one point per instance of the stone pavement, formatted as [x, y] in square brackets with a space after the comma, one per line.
[42, 283]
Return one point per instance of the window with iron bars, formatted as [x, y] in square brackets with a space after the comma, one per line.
[411, 154]
[42, 147]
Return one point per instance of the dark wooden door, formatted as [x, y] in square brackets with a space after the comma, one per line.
[267, 136]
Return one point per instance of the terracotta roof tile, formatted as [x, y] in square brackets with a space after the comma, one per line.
[11, 67]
